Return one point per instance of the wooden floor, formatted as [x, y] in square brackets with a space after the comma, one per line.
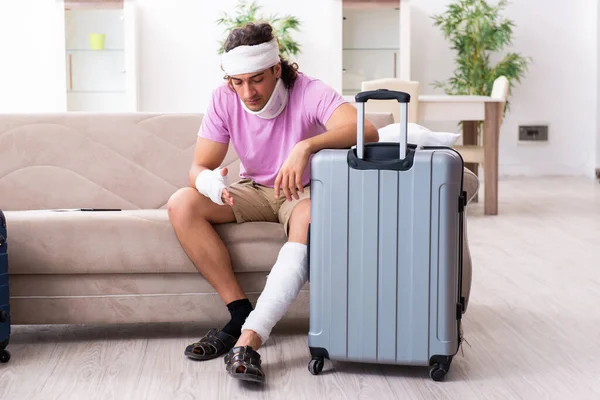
[533, 327]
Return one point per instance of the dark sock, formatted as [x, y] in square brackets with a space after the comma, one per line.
[239, 310]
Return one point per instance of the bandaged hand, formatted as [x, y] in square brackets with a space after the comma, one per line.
[212, 184]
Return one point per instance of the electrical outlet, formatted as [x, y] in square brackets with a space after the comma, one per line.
[536, 133]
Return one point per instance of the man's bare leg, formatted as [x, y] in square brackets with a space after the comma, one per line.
[192, 215]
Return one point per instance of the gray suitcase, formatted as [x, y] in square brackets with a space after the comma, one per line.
[385, 251]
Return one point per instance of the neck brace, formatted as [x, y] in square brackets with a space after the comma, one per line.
[275, 105]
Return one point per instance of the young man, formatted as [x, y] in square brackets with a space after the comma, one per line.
[276, 118]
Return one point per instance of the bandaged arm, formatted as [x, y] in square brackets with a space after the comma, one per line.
[205, 174]
[211, 184]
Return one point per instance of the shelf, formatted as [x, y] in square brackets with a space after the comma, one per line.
[95, 91]
[371, 49]
[372, 4]
[95, 51]
[93, 5]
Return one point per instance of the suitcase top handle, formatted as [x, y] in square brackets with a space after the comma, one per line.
[382, 94]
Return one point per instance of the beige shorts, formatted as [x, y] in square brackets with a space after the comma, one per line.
[254, 202]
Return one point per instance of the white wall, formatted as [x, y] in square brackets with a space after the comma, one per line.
[562, 39]
[32, 61]
[178, 61]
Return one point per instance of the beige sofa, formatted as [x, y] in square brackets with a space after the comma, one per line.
[117, 266]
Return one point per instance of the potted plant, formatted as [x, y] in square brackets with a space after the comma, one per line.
[475, 30]
[282, 26]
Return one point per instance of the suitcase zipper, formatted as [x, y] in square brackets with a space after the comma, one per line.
[308, 252]
[460, 307]
[462, 202]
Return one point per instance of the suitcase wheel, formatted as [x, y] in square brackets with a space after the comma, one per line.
[4, 356]
[315, 366]
[438, 371]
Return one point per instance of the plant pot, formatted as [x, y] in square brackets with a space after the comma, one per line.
[97, 41]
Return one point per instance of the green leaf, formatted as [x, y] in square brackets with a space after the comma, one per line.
[475, 30]
[283, 27]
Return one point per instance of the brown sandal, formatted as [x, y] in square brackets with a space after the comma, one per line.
[244, 363]
[214, 344]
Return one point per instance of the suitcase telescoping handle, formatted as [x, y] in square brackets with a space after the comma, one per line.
[382, 94]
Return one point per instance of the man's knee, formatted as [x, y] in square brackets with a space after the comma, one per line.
[301, 214]
[184, 204]
[298, 223]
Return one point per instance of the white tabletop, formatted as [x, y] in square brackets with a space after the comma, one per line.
[437, 98]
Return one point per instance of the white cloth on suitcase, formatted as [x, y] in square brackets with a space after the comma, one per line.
[417, 134]
[287, 277]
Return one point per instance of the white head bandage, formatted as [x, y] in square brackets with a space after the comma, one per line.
[248, 59]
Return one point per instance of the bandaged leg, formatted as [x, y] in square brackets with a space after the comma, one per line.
[287, 277]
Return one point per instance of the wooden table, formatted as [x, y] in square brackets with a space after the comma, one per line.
[471, 108]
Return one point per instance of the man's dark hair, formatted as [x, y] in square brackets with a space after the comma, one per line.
[252, 34]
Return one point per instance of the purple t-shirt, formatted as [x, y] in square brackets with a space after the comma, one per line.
[263, 145]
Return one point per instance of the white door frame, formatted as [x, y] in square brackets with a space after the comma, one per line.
[131, 56]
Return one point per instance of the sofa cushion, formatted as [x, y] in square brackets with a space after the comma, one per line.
[129, 241]
[380, 119]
